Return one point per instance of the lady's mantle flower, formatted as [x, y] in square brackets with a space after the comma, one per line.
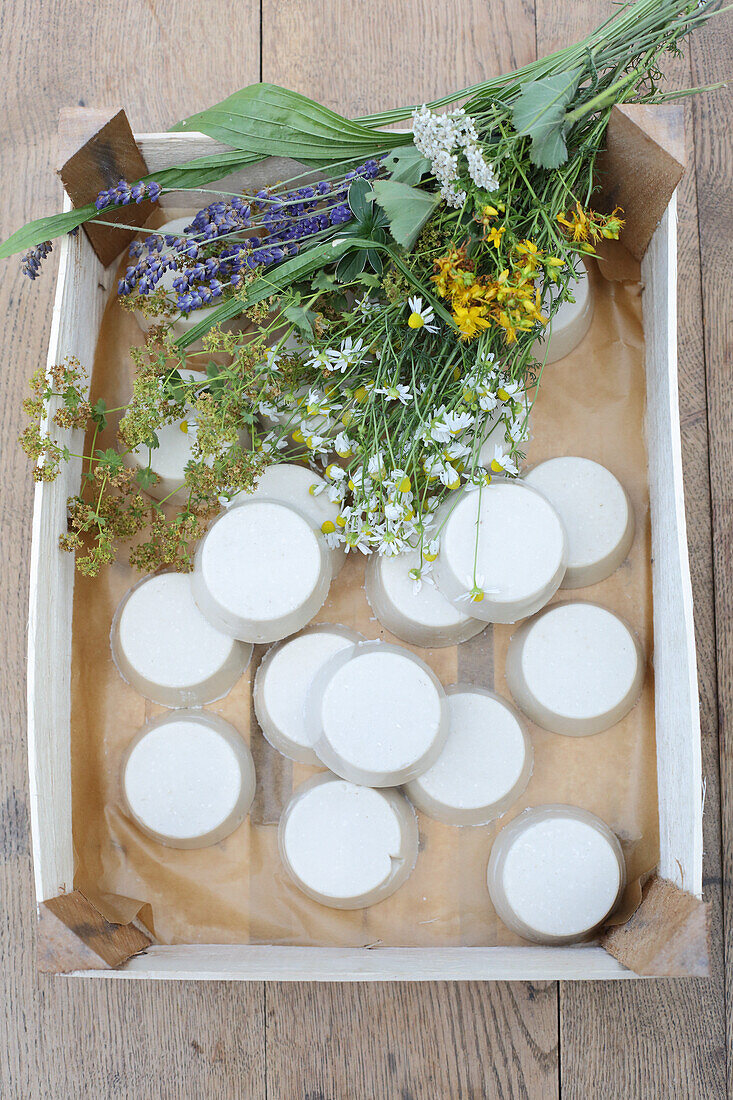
[421, 316]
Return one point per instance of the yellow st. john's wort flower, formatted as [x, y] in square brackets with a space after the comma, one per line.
[470, 320]
[586, 225]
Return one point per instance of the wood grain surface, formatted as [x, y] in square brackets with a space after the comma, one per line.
[615, 1041]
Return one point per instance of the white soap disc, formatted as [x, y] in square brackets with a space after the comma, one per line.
[377, 715]
[555, 874]
[570, 323]
[519, 561]
[575, 669]
[188, 779]
[165, 648]
[596, 513]
[303, 488]
[262, 571]
[485, 764]
[347, 846]
[283, 681]
[423, 617]
[184, 322]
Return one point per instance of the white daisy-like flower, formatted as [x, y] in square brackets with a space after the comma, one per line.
[375, 466]
[348, 355]
[343, 446]
[419, 575]
[397, 393]
[421, 316]
[319, 360]
[502, 463]
[456, 421]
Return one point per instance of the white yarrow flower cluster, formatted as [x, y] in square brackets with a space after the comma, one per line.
[441, 138]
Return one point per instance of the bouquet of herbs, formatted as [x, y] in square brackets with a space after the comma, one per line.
[379, 316]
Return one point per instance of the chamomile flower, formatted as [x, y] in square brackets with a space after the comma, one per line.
[347, 356]
[419, 575]
[502, 463]
[343, 446]
[319, 360]
[397, 393]
[476, 593]
[421, 316]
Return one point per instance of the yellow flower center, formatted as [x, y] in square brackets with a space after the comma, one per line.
[328, 527]
[298, 436]
[428, 556]
[184, 427]
[330, 470]
[360, 394]
[340, 521]
[477, 596]
[405, 485]
[503, 395]
[416, 320]
[496, 466]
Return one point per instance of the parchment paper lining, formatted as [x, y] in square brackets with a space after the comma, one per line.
[591, 404]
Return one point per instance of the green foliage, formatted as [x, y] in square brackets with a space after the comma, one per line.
[406, 165]
[407, 209]
[273, 121]
[539, 113]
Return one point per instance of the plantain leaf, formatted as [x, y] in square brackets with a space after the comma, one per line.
[273, 121]
[407, 209]
[539, 113]
[406, 164]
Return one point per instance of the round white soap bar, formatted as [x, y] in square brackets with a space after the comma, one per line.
[570, 323]
[485, 765]
[165, 648]
[347, 846]
[377, 715]
[188, 779]
[519, 561]
[283, 681]
[576, 668]
[596, 513]
[293, 483]
[262, 571]
[424, 617]
[184, 322]
[555, 874]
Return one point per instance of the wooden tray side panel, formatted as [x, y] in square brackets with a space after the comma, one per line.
[322, 964]
[679, 761]
[77, 313]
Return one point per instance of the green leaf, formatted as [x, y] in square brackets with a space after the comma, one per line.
[351, 265]
[145, 477]
[300, 317]
[99, 409]
[407, 209]
[406, 164]
[273, 121]
[360, 199]
[539, 113]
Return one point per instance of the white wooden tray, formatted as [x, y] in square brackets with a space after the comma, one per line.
[80, 299]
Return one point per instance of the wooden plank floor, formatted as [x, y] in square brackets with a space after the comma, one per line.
[626, 1041]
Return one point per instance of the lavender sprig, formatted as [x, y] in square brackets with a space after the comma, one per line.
[123, 194]
[30, 263]
[289, 221]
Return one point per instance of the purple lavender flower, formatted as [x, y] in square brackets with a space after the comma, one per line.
[123, 194]
[30, 263]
